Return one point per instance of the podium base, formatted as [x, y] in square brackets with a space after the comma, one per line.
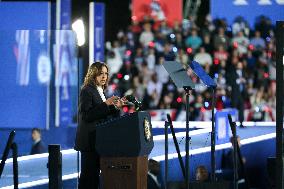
[124, 172]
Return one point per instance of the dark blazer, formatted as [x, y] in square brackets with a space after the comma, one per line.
[38, 148]
[92, 110]
[151, 184]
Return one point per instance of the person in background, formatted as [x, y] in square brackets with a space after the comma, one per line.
[38, 146]
[153, 172]
[193, 41]
[228, 164]
[201, 174]
[237, 80]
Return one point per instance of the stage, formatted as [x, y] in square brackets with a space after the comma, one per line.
[258, 143]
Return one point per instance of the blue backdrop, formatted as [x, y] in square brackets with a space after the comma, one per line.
[25, 67]
[249, 9]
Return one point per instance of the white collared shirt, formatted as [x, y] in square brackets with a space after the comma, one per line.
[101, 92]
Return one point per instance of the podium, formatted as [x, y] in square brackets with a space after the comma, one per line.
[124, 144]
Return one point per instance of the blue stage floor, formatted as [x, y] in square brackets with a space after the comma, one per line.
[33, 171]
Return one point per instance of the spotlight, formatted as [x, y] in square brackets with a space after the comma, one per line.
[172, 36]
[216, 61]
[125, 109]
[119, 76]
[126, 77]
[216, 75]
[151, 44]
[79, 29]
[179, 99]
[251, 47]
[206, 104]
[189, 50]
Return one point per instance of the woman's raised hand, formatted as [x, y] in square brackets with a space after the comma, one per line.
[120, 102]
[112, 100]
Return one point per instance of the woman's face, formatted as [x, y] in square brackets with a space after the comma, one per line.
[102, 77]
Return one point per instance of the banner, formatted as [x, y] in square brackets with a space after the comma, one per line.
[248, 9]
[63, 17]
[96, 32]
[169, 10]
[65, 66]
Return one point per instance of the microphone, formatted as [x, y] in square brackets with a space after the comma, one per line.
[133, 100]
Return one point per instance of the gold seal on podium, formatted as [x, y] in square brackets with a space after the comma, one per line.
[147, 129]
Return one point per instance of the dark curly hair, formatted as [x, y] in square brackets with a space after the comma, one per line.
[93, 72]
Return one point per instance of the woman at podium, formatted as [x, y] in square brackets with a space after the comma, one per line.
[93, 108]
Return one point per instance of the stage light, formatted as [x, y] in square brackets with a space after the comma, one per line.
[216, 61]
[128, 52]
[79, 29]
[251, 47]
[125, 109]
[126, 77]
[119, 76]
[257, 109]
[189, 50]
[134, 18]
[179, 99]
[172, 36]
[175, 49]
[216, 75]
[151, 44]
[206, 104]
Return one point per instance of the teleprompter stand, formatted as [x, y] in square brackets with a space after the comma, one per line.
[181, 79]
[210, 83]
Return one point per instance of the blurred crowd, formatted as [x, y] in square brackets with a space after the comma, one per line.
[240, 58]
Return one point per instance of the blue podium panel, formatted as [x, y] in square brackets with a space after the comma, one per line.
[223, 131]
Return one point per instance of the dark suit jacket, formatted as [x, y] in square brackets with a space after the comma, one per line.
[38, 148]
[151, 184]
[92, 110]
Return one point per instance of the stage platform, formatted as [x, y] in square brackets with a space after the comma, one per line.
[258, 144]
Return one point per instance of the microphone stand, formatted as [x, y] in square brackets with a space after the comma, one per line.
[11, 145]
[235, 160]
[187, 170]
[166, 154]
[213, 137]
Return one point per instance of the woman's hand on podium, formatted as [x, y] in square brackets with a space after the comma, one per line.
[119, 103]
[112, 100]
